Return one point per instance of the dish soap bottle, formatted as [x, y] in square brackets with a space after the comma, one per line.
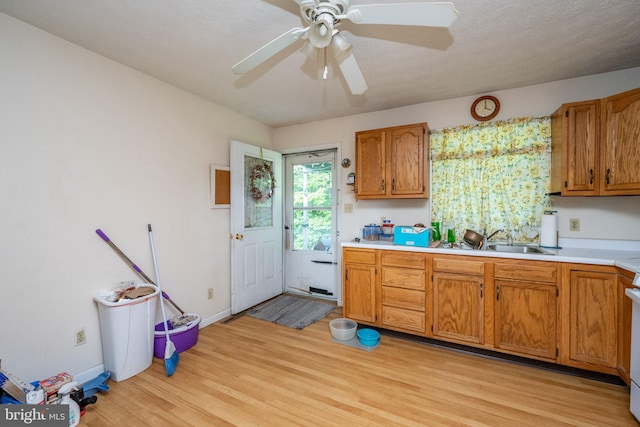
[435, 225]
[74, 408]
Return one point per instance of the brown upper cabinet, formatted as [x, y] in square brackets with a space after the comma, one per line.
[596, 147]
[391, 163]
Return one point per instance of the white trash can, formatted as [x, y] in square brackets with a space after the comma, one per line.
[127, 330]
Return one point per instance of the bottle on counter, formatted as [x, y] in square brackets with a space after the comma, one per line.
[435, 227]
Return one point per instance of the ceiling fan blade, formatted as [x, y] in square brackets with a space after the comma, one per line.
[270, 49]
[348, 65]
[436, 14]
[307, 3]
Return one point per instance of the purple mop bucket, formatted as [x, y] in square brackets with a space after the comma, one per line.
[183, 337]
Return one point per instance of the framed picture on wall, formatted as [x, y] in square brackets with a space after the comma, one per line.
[220, 187]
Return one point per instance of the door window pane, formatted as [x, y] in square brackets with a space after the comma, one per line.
[258, 200]
[312, 203]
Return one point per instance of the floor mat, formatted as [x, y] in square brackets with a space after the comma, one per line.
[291, 311]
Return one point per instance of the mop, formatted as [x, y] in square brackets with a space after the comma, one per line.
[184, 318]
[171, 356]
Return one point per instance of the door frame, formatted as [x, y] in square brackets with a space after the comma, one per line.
[338, 180]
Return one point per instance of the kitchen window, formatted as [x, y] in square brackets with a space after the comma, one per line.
[492, 176]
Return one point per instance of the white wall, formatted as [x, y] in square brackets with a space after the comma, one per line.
[88, 143]
[601, 218]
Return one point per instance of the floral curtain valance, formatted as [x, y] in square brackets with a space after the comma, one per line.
[516, 136]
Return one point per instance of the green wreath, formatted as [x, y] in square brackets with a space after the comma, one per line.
[262, 182]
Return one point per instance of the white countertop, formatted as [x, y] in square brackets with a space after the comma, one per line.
[625, 255]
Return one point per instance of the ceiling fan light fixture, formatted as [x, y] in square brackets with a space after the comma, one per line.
[310, 51]
[321, 31]
[340, 45]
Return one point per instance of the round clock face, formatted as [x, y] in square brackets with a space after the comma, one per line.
[485, 108]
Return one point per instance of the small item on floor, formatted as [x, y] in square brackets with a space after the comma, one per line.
[291, 311]
[368, 336]
[52, 384]
[15, 387]
[65, 399]
[96, 385]
[355, 343]
[343, 329]
[183, 336]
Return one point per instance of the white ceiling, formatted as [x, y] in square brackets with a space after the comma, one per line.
[493, 45]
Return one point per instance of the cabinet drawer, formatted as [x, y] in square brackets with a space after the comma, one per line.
[538, 272]
[403, 298]
[403, 259]
[457, 265]
[403, 278]
[359, 256]
[403, 319]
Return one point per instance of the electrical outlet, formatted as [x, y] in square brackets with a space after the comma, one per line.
[348, 208]
[574, 224]
[210, 293]
[81, 337]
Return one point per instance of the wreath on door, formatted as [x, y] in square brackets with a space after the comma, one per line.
[262, 182]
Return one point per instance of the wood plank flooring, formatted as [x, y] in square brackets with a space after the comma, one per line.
[250, 372]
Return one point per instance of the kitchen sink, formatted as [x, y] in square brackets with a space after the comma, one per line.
[517, 249]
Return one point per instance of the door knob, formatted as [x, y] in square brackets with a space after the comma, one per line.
[239, 236]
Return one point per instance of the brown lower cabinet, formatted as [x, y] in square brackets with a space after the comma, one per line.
[359, 286]
[525, 308]
[572, 314]
[458, 299]
[590, 314]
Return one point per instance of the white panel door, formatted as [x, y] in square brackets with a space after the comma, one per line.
[256, 225]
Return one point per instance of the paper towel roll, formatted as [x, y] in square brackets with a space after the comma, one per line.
[549, 231]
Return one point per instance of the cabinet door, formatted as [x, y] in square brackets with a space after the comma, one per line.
[408, 161]
[458, 307]
[359, 299]
[525, 318]
[579, 150]
[592, 314]
[621, 144]
[371, 164]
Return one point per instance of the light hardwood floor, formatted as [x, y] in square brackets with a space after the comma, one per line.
[251, 372]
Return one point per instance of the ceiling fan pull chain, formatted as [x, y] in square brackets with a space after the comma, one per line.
[326, 70]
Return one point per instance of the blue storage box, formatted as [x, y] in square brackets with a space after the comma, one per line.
[411, 236]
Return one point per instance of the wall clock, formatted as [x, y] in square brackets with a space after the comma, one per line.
[485, 108]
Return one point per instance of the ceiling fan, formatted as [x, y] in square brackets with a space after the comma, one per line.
[324, 16]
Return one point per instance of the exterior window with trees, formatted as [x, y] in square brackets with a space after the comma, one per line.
[312, 202]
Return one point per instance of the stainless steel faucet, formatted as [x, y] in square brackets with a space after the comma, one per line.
[494, 233]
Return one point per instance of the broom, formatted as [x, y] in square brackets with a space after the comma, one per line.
[171, 356]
